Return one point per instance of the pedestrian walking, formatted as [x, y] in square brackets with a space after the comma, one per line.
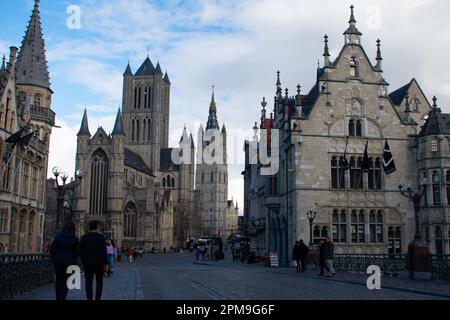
[296, 254]
[112, 254]
[303, 255]
[130, 254]
[203, 253]
[197, 253]
[322, 257]
[329, 256]
[94, 258]
[64, 250]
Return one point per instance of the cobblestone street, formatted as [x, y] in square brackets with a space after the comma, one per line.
[179, 277]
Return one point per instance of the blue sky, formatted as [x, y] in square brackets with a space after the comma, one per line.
[236, 45]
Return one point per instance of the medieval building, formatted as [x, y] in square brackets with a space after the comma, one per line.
[321, 155]
[26, 122]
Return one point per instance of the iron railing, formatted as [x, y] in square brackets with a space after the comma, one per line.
[440, 267]
[20, 273]
[390, 264]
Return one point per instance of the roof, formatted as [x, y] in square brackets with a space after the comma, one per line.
[436, 123]
[166, 162]
[146, 69]
[118, 126]
[133, 160]
[31, 65]
[398, 95]
[84, 129]
[128, 71]
[309, 100]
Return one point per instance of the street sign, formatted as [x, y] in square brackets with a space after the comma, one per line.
[274, 259]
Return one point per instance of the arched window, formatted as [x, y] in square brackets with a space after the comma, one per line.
[212, 176]
[37, 100]
[164, 182]
[376, 226]
[12, 123]
[99, 183]
[374, 175]
[144, 136]
[355, 128]
[394, 240]
[439, 240]
[168, 181]
[203, 177]
[353, 67]
[130, 221]
[138, 131]
[139, 97]
[337, 173]
[358, 227]
[149, 101]
[149, 130]
[415, 105]
[133, 128]
[21, 99]
[135, 97]
[356, 176]
[436, 188]
[145, 97]
[447, 186]
[4, 220]
[339, 226]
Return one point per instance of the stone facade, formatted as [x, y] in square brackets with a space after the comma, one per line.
[26, 122]
[349, 106]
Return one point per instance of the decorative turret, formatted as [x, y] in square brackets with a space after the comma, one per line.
[31, 66]
[352, 34]
[158, 69]
[212, 118]
[279, 89]
[3, 63]
[166, 78]
[379, 59]
[128, 71]
[326, 52]
[263, 111]
[118, 125]
[84, 129]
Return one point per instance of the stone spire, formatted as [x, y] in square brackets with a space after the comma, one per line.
[118, 125]
[166, 78]
[326, 52]
[31, 66]
[212, 119]
[352, 34]
[158, 69]
[84, 129]
[379, 59]
[3, 63]
[128, 71]
[279, 89]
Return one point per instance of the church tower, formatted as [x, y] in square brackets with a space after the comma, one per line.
[33, 81]
[212, 174]
[146, 108]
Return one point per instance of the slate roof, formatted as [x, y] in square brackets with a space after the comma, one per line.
[118, 126]
[437, 123]
[133, 160]
[31, 65]
[166, 163]
[398, 95]
[146, 69]
[84, 129]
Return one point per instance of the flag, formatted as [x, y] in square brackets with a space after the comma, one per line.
[25, 140]
[15, 137]
[345, 164]
[18, 139]
[388, 160]
[365, 166]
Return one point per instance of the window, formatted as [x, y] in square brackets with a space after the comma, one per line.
[436, 188]
[133, 128]
[149, 132]
[339, 226]
[130, 221]
[34, 186]
[415, 105]
[21, 99]
[394, 240]
[439, 240]
[135, 97]
[164, 182]
[37, 100]
[374, 175]
[356, 177]
[212, 176]
[145, 129]
[353, 67]
[273, 185]
[99, 183]
[4, 220]
[355, 128]
[26, 175]
[319, 233]
[447, 186]
[434, 146]
[173, 182]
[337, 173]
[203, 177]
[145, 97]
[376, 227]
[358, 226]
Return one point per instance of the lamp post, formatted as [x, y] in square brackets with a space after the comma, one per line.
[418, 253]
[64, 197]
[311, 214]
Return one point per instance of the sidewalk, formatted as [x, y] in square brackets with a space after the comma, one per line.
[125, 284]
[435, 288]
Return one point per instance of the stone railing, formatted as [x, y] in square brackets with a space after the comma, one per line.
[43, 114]
[390, 264]
[20, 273]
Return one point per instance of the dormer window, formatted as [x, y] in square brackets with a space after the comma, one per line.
[353, 67]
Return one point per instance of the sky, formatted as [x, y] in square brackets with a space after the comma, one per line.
[235, 45]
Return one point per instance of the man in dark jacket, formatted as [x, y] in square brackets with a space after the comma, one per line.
[322, 257]
[303, 255]
[296, 255]
[64, 250]
[94, 259]
[328, 254]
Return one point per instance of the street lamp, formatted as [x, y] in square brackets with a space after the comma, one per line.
[63, 191]
[418, 252]
[311, 214]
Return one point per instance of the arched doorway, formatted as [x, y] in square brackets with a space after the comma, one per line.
[2, 248]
